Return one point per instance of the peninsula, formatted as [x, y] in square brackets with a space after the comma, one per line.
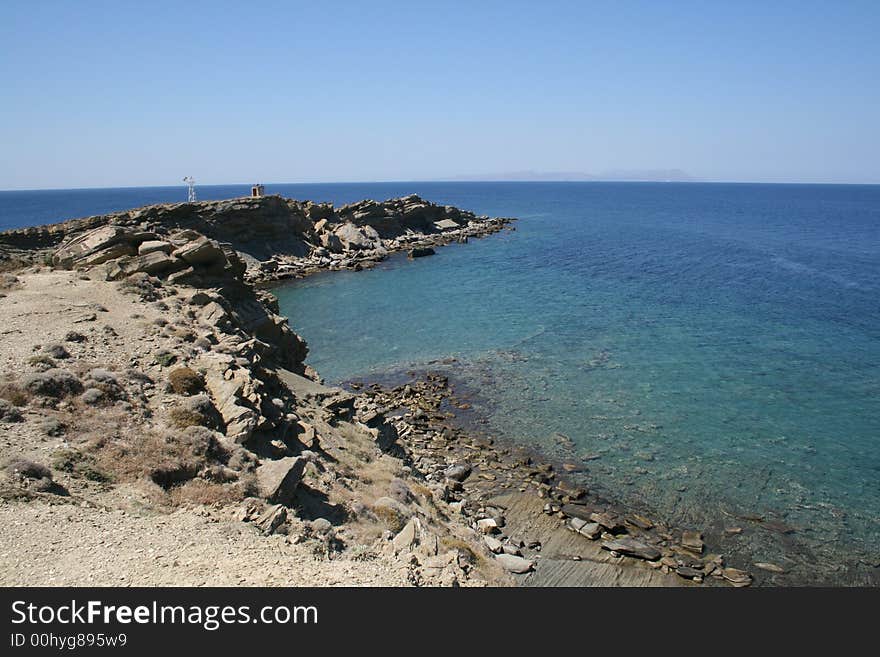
[161, 425]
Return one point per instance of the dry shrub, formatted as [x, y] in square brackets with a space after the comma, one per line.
[182, 418]
[210, 493]
[9, 413]
[14, 394]
[168, 460]
[28, 469]
[79, 464]
[9, 282]
[390, 518]
[41, 362]
[185, 381]
[464, 549]
[53, 383]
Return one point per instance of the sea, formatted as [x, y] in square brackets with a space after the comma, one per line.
[707, 354]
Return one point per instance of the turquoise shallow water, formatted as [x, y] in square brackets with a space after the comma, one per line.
[718, 346]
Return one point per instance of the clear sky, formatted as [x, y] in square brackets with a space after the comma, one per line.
[121, 93]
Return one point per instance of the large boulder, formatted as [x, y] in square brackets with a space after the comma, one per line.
[331, 242]
[201, 252]
[94, 243]
[514, 564]
[357, 239]
[277, 480]
[156, 262]
[230, 397]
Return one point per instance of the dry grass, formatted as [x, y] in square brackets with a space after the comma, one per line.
[28, 469]
[182, 418]
[41, 360]
[209, 493]
[14, 394]
[9, 282]
[390, 518]
[463, 548]
[79, 464]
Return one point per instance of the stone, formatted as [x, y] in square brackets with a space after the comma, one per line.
[576, 511]
[271, 519]
[633, 548]
[692, 541]
[57, 351]
[112, 252]
[277, 480]
[200, 252]
[493, 544]
[769, 567]
[321, 526]
[612, 523]
[591, 530]
[640, 521]
[487, 526]
[183, 277]
[446, 224]
[154, 245]
[353, 238]
[736, 577]
[576, 523]
[514, 564]
[331, 242]
[511, 549]
[421, 252]
[458, 472]
[151, 263]
[213, 314]
[688, 572]
[87, 244]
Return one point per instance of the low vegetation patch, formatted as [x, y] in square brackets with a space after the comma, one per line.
[14, 394]
[185, 381]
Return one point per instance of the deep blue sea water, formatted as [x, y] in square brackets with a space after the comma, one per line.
[716, 345]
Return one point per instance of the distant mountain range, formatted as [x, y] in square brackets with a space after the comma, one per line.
[645, 175]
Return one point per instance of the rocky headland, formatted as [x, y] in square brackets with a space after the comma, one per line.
[161, 426]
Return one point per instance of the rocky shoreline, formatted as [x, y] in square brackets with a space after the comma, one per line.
[488, 483]
[275, 238]
[198, 393]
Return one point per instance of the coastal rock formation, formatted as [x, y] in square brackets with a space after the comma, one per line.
[163, 375]
[273, 237]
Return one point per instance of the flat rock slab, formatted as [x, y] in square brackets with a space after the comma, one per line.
[632, 548]
[568, 558]
[514, 564]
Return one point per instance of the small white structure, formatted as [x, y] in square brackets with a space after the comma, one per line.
[257, 191]
[191, 189]
[191, 186]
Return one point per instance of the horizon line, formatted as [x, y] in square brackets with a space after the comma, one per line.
[456, 181]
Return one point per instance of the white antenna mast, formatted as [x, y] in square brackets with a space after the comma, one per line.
[191, 185]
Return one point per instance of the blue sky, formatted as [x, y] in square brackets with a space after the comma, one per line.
[120, 93]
